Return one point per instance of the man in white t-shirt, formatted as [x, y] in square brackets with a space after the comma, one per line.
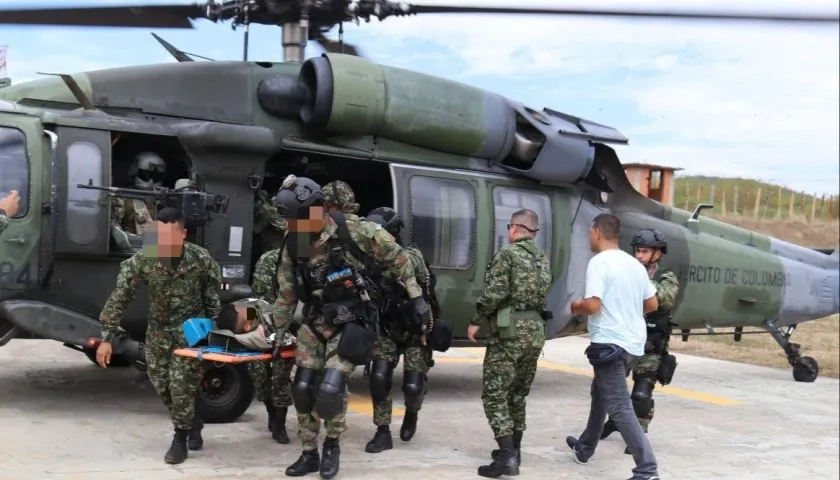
[618, 294]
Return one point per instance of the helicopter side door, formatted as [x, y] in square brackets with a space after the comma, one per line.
[84, 157]
[448, 223]
[23, 165]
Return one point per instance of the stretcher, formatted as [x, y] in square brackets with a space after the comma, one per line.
[223, 355]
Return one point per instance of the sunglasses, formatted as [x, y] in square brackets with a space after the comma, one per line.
[521, 226]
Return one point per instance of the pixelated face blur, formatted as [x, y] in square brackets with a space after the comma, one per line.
[647, 255]
[313, 222]
[164, 240]
[243, 314]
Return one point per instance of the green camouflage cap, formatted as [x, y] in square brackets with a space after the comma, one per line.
[341, 195]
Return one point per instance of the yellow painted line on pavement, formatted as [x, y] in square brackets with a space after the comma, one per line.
[362, 404]
[678, 392]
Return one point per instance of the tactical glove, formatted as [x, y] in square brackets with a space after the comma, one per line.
[422, 313]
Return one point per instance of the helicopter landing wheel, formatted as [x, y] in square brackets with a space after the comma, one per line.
[805, 369]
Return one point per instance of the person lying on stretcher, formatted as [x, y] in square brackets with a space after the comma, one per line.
[246, 321]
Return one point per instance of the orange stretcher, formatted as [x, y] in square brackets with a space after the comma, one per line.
[219, 354]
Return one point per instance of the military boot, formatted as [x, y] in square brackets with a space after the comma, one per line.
[517, 445]
[505, 461]
[409, 426]
[269, 407]
[381, 441]
[177, 452]
[278, 429]
[329, 461]
[195, 442]
[609, 429]
[308, 462]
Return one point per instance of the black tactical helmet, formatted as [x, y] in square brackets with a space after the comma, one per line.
[650, 239]
[388, 218]
[296, 196]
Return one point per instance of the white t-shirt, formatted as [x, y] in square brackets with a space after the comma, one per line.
[622, 284]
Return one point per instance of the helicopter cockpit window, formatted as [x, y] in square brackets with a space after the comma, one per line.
[14, 167]
[443, 220]
[84, 163]
[508, 200]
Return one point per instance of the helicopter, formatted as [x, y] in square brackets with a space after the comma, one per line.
[455, 160]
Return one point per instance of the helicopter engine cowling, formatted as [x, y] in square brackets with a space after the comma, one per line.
[351, 96]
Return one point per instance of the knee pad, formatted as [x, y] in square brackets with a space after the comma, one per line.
[413, 386]
[302, 390]
[329, 399]
[380, 379]
[642, 397]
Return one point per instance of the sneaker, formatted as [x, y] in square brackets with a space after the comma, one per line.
[579, 458]
[644, 477]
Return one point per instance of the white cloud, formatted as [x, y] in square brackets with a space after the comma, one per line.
[714, 98]
[720, 98]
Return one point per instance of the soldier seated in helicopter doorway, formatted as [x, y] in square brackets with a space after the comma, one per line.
[132, 217]
[399, 335]
[656, 364]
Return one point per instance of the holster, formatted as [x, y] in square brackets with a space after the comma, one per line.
[667, 367]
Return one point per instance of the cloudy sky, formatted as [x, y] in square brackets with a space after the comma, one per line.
[715, 98]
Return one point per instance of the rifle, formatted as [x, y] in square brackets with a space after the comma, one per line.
[196, 206]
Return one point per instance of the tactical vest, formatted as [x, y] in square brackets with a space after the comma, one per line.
[659, 328]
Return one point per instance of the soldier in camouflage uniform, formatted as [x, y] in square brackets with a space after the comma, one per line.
[648, 247]
[398, 335]
[269, 226]
[517, 283]
[272, 378]
[183, 281]
[311, 269]
[8, 208]
[338, 196]
[133, 215]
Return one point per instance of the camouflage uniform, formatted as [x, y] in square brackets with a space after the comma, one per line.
[519, 277]
[340, 194]
[269, 226]
[191, 290]
[667, 289]
[394, 341]
[4, 222]
[271, 378]
[311, 352]
[132, 215]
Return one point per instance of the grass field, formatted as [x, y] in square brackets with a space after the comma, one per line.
[819, 339]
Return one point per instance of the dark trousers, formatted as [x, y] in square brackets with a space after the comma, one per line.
[610, 396]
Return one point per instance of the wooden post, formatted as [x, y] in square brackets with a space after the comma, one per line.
[735, 201]
[723, 203]
[699, 194]
[766, 201]
[746, 200]
[802, 204]
[712, 195]
[687, 195]
[790, 206]
[813, 207]
[779, 205]
[822, 207]
[757, 203]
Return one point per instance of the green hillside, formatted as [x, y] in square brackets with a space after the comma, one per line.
[687, 187]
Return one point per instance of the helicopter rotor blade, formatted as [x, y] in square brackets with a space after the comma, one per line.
[604, 12]
[149, 16]
[332, 46]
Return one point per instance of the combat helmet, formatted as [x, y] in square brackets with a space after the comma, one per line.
[651, 239]
[388, 218]
[296, 195]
